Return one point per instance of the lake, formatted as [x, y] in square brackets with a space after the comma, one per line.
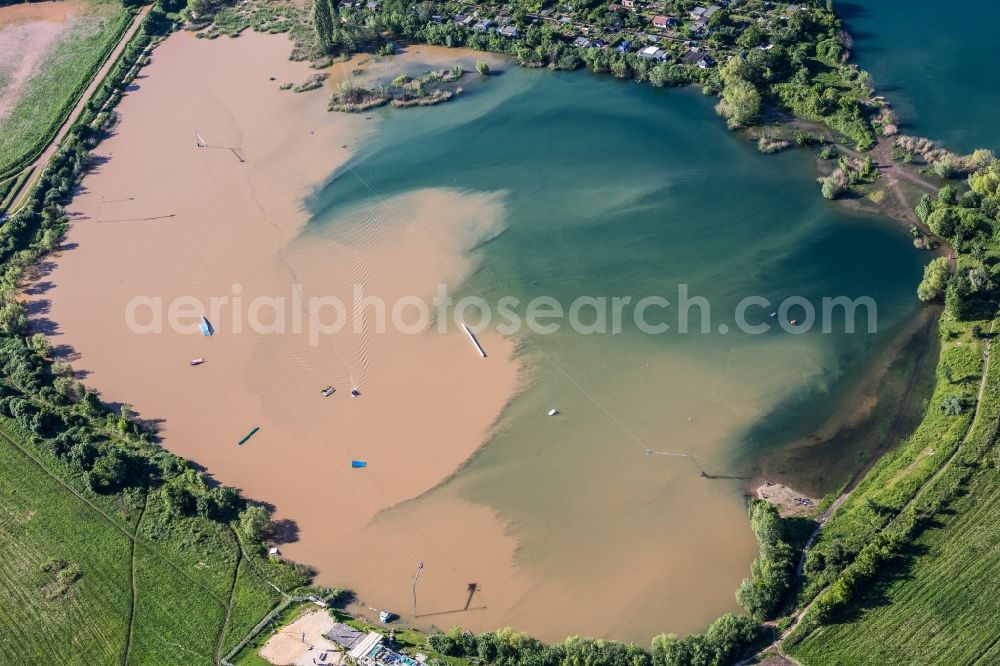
[611, 189]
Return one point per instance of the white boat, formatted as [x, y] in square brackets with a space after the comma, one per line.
[196, 361]
[328, 391]
[355, 392]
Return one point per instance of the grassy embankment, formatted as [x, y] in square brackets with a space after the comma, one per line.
[62, 76]
[931, 599]
[903, 569]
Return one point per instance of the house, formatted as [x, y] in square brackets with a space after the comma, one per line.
[660, 21]
[624, 47]
[460, 19]
[344, 635]
[581, 42]
[628, 3]
[373, 6]
[696, 57]
[704, 13]
[509, 31]
[614, 6]
[365, 650]
[482, 26]
[653, 53]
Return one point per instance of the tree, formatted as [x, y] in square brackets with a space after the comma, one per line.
[41, 345]
[731, 635]
[935, 279]
[323, 24]
[979, 278]
[740, 104]
[109, 471]
[255, 522]
[13, 320]
[952, 405]
[943, 221]
[831, 188]
[221, 503]
[958, 297]
[483, 67]
[924, 208]
[454, 643]
[948, 195]
[177, 500]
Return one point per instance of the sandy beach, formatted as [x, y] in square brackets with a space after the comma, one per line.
[164, 218]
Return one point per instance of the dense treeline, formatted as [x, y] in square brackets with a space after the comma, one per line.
[770, 574]
[726, 640]
[969, 221]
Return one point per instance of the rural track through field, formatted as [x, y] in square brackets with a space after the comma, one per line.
[132, 581]
[229, 606]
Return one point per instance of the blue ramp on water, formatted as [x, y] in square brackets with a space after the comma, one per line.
[206, 327]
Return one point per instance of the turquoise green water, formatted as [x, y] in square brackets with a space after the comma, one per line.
[614, 189]
[937, 64]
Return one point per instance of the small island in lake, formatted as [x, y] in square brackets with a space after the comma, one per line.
[402, 92]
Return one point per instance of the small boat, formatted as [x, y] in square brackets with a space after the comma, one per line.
[795, 322]
[248, 436]
[384, 616]
[328, 391]
[206, 327]
[358, 464]
[553, 412]
[774, 314]
[196, 361]
[355, 392]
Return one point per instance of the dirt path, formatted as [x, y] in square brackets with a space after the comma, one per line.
[35, 168]
[229, 608]
[132, 583]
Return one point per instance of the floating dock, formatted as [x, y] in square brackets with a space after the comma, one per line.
[248, 436]
[475, 340]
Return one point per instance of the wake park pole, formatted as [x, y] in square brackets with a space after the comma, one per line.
[413, 585]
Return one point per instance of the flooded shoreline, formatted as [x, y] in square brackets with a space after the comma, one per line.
[27, 32]
[221, 186]
[197, 196]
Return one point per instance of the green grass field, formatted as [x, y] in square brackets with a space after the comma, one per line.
[187, 574]
[63, 74]
[40, 521]
[939, 605]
